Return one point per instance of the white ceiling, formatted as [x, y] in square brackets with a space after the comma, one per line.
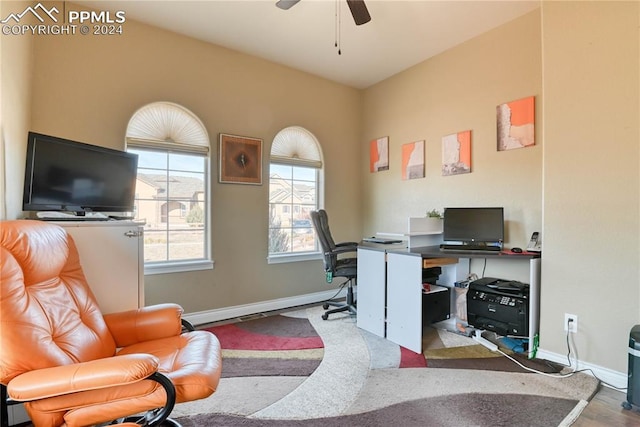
[399, 35]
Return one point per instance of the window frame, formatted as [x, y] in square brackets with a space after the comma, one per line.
[294, 161]
[171, 144]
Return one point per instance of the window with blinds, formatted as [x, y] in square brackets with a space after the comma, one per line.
[172, 191]
[295, 189]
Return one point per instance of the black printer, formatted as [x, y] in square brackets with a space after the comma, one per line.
[499, 305]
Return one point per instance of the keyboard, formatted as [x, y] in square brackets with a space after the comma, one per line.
[470, 248]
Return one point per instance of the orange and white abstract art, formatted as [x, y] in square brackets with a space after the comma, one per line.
[516, 124]
[456, 153]
[413, 160]
[379, 154]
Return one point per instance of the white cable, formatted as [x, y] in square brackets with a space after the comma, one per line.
[535, 370]
[491, 346]
[568, 374]
[559, 376]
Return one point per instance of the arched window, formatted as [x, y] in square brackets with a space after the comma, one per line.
[295, 189]
[172, 191]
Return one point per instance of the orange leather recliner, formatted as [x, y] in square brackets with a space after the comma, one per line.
[72, 366]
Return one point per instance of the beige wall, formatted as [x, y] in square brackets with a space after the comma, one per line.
[87, 87]
[16, 59]
[591, 182]
[455, 91]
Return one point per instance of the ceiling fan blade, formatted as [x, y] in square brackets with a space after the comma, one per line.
[359, 11]
[286, 4]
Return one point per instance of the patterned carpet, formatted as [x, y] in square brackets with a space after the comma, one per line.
[269, 346]
[298, 370]
[280, 345]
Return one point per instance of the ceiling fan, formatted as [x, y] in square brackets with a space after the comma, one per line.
[358, 9]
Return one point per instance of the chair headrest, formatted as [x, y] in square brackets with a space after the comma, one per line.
[49, 315]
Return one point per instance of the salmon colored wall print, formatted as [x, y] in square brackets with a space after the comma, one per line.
[516, 123]
[413, 160]
[456, 153]
[379, 154]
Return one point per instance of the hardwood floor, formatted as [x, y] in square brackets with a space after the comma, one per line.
[605, 410]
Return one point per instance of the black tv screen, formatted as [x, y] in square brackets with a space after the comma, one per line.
[65, 175]
[482, 225]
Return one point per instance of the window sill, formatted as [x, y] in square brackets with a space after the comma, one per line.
[281, 259]
[177, 267]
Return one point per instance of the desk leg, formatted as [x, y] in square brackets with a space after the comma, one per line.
[534, 305]
[404, 301]
[371, 291]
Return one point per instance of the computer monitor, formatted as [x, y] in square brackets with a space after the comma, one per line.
[474, 225]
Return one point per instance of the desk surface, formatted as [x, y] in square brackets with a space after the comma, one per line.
[435, 252]
[389, 247]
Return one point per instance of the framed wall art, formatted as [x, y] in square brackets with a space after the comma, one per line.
[379, 154]
[413, 160]
[240, 159]
[516, 124]
[456, 153]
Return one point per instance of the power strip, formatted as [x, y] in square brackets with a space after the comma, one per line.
[485, 342]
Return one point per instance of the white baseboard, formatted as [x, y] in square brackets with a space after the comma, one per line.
[606, 375]
[218, 314]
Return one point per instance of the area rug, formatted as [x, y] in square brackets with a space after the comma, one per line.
[359, 381]
[276, 345]
[444, 348]
[461, 410]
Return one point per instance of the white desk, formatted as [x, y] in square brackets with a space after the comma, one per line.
[372, 289]
[390, 289]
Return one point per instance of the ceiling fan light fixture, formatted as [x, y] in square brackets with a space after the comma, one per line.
[286, 4]
[359, 11]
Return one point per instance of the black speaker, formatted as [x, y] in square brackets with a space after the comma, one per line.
[633, 385]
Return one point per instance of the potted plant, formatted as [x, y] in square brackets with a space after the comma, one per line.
[434, 213]
[433, 221]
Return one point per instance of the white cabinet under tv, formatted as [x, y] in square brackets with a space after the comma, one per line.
[112, 258]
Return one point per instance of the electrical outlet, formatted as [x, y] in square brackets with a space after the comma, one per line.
[571, 323]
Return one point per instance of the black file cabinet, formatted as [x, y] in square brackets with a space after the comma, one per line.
[436, 305]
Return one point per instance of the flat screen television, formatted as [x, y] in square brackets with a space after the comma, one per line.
[474, 225]
[65, 175]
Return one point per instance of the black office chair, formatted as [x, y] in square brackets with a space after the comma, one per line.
[334, 266]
